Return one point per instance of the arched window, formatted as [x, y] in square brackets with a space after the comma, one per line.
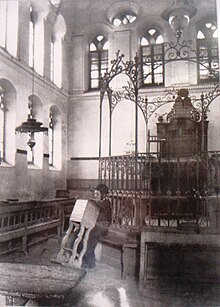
[52, 59]
[30, 137]
[3, 22]
[207, 52]
[2, 123]
[36, 40]
[152, 57]
[124, 19]
[51, 138]
[58, 33]
[98, 58]
[31, 38]
[57, 75]
[7, 121]
[55, 138]
[9, 26]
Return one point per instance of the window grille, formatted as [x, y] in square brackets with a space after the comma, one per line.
[98, 60]
[152, 58]
[207, 53]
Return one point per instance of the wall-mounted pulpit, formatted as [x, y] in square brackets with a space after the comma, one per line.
[74, 244]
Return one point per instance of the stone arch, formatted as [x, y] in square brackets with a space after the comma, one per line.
[59, 28]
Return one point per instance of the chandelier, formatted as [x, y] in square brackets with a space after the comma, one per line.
[179, 20]
[31, 126]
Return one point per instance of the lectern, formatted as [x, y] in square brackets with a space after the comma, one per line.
[74, 244]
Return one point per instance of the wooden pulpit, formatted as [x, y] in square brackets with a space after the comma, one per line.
[74, 244]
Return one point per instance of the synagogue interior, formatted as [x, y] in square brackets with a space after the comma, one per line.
[109, 149]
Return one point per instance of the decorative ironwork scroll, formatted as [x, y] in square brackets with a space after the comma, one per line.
[174, 51]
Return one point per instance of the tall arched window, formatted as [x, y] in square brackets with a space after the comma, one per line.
[55, 138]
[31, 38]
[207, 52]
[9, 26]
[98, 58]
[58, 33]
[3, 22]
[36, 40]
[52, 59]
[152, 57]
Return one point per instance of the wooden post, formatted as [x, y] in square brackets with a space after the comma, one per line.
[24, 238]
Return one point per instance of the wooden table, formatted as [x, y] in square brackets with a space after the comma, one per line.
[37, 282]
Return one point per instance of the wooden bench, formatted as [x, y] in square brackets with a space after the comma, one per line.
[43, 285]
[25, 223]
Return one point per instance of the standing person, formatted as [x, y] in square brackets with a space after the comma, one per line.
[93, 252]
[101, 195]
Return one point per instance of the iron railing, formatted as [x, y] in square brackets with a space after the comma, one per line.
[152, 190]
[153, 174]
[134, 209]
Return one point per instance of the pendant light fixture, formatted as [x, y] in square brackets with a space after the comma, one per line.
[179, 15]
[31, 125]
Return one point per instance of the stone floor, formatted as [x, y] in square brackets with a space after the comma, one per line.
[103, 277]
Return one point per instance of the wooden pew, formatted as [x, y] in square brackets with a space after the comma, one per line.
[25, 223]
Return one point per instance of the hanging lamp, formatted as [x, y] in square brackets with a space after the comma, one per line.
[179, 15]
[31, 125]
